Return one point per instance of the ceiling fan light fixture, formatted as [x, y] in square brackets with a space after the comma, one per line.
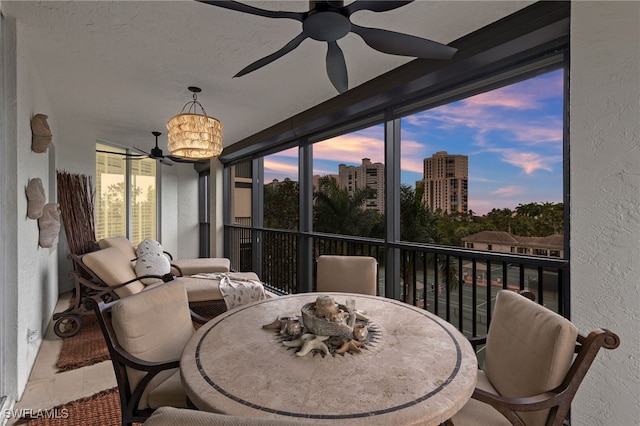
[192, 135]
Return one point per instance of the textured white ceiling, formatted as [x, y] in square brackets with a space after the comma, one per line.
[124, 67]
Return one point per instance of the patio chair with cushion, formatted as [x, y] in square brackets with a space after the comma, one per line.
[534, 362]
[114, 268]
[110, 274]
[145, 334]
[347, 274]
[183, 266]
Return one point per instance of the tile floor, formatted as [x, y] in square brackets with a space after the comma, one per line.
[46, 388]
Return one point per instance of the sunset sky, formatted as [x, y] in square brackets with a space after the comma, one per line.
[512, 136]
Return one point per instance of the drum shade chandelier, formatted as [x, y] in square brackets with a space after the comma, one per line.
[192, 135]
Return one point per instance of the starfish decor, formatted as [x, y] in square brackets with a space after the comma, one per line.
[308, 342]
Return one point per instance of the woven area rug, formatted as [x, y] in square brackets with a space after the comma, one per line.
[85, 348]
[101, 409]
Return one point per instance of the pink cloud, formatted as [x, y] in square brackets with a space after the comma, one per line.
[350, 149]
[274, 169]
[481, 206]
[529, 162]
[412, 154]
[508, 191]
[501, 98]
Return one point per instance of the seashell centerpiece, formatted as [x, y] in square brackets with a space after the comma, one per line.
[325, 317]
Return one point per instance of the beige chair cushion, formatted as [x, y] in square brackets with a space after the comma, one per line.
[476, 413]
[154, 326]
[529, 350]
[350, 274]
[203, 265]
[113, 267]
[169, 393]
[169, 416]
[121, 243]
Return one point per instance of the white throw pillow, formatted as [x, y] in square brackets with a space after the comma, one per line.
[152, 264]
[148, 246]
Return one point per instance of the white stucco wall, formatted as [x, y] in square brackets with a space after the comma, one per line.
[169, 200]
[187, 211]
[37, 268]
[605, 203]
[179, 200]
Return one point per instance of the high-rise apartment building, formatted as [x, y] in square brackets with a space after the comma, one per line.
[446, 182]
[367, 175]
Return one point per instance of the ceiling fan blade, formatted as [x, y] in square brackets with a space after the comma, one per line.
[234, 5]
[337, 68]
[183, 160]
[375, 6]
[124, 154]
[268, 59]
[165, 161]
[403, 44]
[146, 154]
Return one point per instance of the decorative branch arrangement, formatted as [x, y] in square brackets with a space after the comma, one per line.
[77, 196]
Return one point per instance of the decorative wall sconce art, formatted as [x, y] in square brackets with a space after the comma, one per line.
[49, 225]
[40, 133]
[36, 198]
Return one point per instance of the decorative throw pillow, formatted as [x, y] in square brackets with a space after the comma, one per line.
[148, 246]
[152, 264]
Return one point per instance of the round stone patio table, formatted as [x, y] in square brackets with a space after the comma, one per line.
[415, 368]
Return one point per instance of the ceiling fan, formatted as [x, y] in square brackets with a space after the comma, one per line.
[155, 154]
[329, 21]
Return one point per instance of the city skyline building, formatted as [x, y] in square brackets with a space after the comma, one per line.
[446, 182]
[367, 175]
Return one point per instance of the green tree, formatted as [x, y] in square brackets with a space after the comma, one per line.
[281, 204]
[337, 212]
[418, 224]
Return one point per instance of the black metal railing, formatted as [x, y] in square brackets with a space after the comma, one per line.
[459, 285]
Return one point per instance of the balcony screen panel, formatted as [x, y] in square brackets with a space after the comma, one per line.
[281, 190]
[490, 162]
[348, 184]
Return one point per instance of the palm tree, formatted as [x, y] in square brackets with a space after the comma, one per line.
[337, 212]
[417, 224]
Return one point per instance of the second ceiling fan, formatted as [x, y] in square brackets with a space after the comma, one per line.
[328, 21]
[155, 154]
